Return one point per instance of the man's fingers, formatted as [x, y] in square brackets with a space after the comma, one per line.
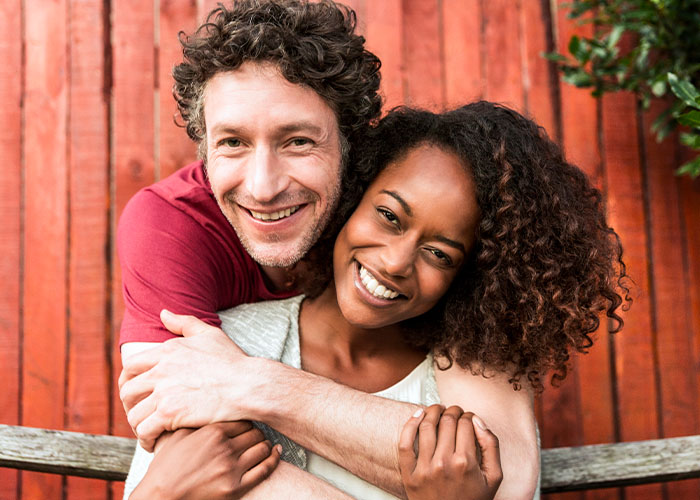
[447, 433]
[407, 440]
[427, 434]
[490, 453]
[187, 326]
[139, 363]
[261, 469]
[149, 430]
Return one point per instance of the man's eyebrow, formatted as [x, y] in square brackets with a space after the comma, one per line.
[409, 212]
[300, 127]
[401, 201]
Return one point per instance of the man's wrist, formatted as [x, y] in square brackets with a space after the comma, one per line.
[264, 400]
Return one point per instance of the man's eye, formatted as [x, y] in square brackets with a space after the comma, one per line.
[231, 142]
[300, 141]
[389, 215]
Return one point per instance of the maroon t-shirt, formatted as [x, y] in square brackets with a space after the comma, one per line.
[178, 252]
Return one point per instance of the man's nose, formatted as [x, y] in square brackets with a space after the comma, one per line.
[399, 257]
[266, 176]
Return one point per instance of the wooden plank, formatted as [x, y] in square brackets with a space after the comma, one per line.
[88, 366]
[536, 29]
[463, 44]
[175, 148]
[45, 252]
[63, 452]
[503, 61]
[618, 464]
[676, 367]
[422, 54]
[384, 28]
[634, 350]
[580, 140]
[10, 223]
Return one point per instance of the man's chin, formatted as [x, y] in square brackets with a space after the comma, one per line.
[276, 254]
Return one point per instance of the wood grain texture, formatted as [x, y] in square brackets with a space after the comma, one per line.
[87, 403]
[10, 224]
[46, 228]
[634, 349]
[422, 54]
[463, 46]
[503, 64]
[175, 148]
[673, 344]
[384, 27]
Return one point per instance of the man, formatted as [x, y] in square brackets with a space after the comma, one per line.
[275, 94]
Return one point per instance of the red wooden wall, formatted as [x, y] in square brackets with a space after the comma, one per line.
[88, 120]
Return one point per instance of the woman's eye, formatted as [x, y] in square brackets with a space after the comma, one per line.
[389, 216]
[442, 256]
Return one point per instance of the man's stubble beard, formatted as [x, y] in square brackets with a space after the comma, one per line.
[288, 258]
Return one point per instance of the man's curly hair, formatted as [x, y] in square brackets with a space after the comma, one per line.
[545, 265]
[312, 44]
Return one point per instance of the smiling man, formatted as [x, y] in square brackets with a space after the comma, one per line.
[276, 93]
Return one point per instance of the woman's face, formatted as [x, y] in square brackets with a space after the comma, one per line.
[402, 247]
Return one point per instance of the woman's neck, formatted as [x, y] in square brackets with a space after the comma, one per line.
[336, 349]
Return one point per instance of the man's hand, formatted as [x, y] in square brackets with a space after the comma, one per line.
[458, 457]
[218, 461]
[183, 382]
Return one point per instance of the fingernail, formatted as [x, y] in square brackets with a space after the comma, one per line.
[418, 413]
[278, 447]
[479, 422]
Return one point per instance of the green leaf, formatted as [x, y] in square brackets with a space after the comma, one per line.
[579, 49]
[615, 35]
[553, 56]
[691, 119]
[691, 140]
[659, 89]
[684, 90]
[579, 78]
[692, 168]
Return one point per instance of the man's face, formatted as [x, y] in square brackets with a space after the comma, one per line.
[273, 160]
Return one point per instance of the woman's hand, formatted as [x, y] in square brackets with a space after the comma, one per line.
[218, 461]
[457, 456]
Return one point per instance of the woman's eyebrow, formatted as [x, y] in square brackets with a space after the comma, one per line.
[452, 243]
[401, 201]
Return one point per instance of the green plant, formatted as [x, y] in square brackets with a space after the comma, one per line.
[648, 47]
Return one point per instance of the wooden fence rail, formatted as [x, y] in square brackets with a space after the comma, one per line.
[563, 469]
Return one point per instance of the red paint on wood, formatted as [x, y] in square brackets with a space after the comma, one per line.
[422, 54]
[673, 343]
[536, 77]
[204, 7]
[88, 365]
[503, 53]
[45, 252]
[384, 28]
[462, 42]
[634, 349]
[133, 142]
[10, 224]
[176, 149]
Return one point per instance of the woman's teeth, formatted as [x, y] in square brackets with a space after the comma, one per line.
[281, 214]
[372, 286]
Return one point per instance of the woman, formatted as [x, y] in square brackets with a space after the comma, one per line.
[476, 245]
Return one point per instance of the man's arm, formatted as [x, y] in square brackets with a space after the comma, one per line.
[204, 378]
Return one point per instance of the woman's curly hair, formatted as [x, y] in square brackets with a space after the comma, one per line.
[312, 44]
[545, 265]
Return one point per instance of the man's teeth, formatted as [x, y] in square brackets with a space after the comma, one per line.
[372, 286]
[281, 214]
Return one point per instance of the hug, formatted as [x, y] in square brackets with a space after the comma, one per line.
[402, 287]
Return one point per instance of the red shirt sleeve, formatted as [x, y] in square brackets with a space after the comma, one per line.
[168, 261]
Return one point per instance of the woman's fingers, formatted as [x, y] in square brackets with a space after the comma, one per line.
[490, 453]
[407, 443]
[262, 468]
[447, 434]
[427, 434]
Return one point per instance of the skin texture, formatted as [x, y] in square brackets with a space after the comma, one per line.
[457, 456]
[271, 145]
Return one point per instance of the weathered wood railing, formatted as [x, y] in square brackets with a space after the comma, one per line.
[563, 469]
